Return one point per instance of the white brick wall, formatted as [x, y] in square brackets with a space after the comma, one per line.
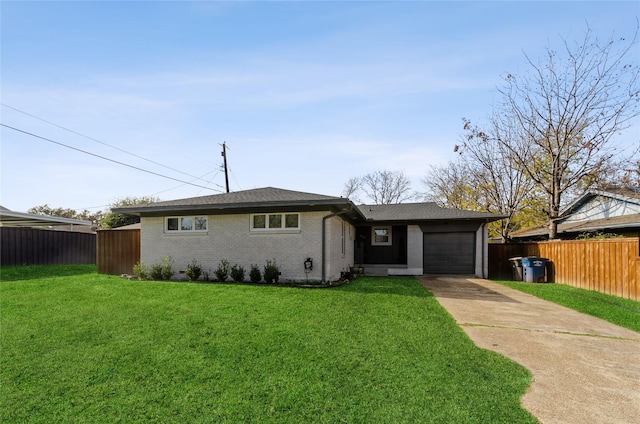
[338, 260]
[229, 237]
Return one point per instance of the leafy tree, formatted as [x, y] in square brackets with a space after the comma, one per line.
[381, 187]
[566, 114]
[488, 185]
[47, 210]
[84, 215]
[449, 186]
[115, 220]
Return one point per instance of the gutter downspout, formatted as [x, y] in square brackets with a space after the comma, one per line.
[324, 238]
[485, 251]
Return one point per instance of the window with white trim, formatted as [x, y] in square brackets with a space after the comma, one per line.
[186, 224]
[275, 221]
[381, 235]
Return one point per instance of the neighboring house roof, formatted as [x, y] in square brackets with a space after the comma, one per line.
[613, 223]
[19, 219]
[596, 210]
[421, 212]
[623, 195]
[274, 198]
[135, 226]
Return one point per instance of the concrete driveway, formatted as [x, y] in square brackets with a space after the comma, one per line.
[585, 370]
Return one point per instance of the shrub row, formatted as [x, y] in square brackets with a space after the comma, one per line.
[194, 271]
[157, 271]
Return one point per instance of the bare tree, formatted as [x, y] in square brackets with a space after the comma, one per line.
[567, 113]
[381, 187]
[351, 188]
[485, 178]
[450, 186]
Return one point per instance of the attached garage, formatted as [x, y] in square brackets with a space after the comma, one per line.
[449, 253]
[426, 239]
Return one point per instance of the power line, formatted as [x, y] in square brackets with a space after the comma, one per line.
[107, 159]
[98, 141]
[178, 186]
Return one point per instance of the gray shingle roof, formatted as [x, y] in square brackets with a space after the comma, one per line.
[270, 197]
[260, 197]
[420, 212]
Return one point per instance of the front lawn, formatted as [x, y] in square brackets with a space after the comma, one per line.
[82, 347]
[619, 311]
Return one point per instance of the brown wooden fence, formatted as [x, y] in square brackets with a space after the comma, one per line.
[610, 266]
[29, 246]
[118, 251]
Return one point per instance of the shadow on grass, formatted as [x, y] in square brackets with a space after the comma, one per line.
[402, 286]
[37, 272]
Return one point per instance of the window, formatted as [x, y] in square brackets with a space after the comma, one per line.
[381, 236]
[186, 224]
[259, 222]
[275, 221]
[291, 220]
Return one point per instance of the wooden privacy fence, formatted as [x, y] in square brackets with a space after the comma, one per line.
[30, 246]
[610, 266]
[118, 251]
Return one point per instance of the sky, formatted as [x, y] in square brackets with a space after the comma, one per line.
[116, 99]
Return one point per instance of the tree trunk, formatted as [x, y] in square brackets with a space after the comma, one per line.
[554, 210]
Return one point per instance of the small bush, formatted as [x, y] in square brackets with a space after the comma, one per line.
[271, 271]
[254, 274]
[141, 271]
[222, 272]
[237, 273]
[167, 264]
[162, 270]
[156, 272]
[193, 271]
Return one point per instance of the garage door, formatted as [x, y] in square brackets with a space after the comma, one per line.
[449, 253]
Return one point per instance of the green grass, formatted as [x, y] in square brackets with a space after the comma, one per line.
[619, 311]
[82, 347]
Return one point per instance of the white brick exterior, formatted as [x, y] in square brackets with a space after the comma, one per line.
[482, 252]
[340, 246]
[229, 237]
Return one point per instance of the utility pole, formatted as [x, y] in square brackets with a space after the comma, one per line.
[226, 173]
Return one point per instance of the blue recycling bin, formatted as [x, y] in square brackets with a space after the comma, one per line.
[534, 270]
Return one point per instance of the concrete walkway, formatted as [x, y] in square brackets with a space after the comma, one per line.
[585, 370]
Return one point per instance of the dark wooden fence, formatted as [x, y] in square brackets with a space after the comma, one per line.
[29, 246]
[610, 266]
[118, 251]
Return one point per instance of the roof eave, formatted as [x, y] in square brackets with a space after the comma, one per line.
[332, 204]
[27, 219]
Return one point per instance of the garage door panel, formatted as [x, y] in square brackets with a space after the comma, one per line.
[449, 253]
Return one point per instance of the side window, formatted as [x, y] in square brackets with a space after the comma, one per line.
[381, 236]
[259, 222]
[291, 220]
[172, 224]
[186, 224]
[275, 221]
